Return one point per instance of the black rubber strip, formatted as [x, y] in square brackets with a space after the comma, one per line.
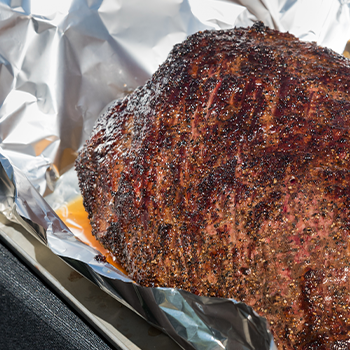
[34, 318]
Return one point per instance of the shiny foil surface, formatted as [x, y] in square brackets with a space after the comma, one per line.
[61, 63]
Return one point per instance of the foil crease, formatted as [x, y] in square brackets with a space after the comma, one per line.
[61, 63]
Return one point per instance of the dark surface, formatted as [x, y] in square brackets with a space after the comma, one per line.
[32, 317]
[227, 174]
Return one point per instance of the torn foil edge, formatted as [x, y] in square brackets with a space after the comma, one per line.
[192, 321]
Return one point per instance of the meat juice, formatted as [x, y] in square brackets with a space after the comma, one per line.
[76, 219]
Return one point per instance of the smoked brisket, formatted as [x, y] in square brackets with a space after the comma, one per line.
[228, 175]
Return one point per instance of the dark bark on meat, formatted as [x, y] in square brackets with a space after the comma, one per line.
[227, 174]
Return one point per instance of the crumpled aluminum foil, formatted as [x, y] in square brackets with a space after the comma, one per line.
[61, 63]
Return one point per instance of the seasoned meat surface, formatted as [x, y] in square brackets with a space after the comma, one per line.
[227, 174]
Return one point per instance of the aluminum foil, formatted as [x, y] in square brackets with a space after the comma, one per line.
[61, 63]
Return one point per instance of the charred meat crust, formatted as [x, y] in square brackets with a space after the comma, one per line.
[227, 174]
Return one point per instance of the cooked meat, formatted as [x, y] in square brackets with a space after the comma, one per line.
[227, 174]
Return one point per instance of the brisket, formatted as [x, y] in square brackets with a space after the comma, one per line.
[227, 174]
